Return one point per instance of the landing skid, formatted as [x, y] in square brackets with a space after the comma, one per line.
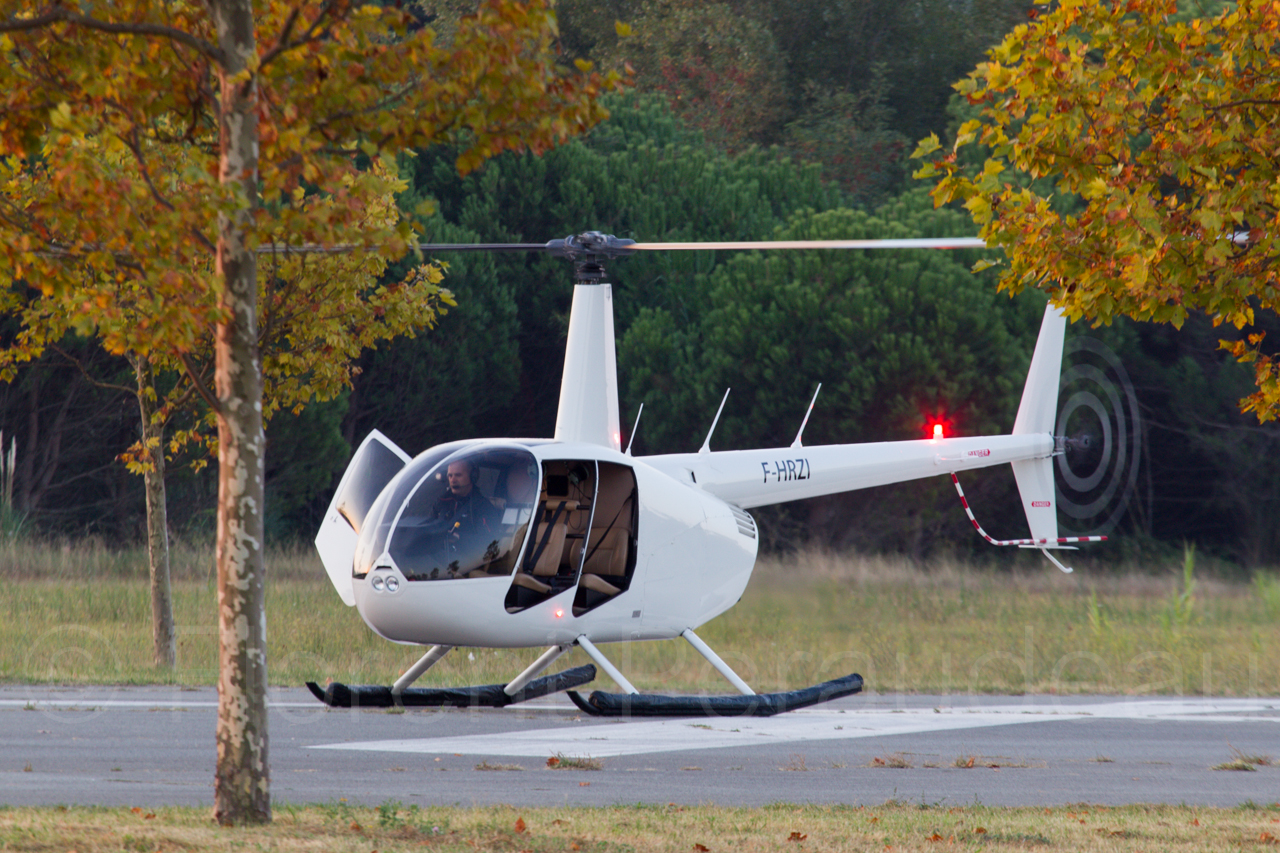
[338, 695]
[600, 704]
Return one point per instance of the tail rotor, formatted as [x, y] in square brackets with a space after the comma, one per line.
[1099, 431]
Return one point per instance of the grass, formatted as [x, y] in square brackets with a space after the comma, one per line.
[896, 761]
[560, 761]
[393, 827]
[1244, 761]
[80, 614]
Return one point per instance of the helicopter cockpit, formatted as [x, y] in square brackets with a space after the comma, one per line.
[457, 512]
[465, 510]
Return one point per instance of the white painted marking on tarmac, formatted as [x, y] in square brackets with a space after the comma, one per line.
[650, 736]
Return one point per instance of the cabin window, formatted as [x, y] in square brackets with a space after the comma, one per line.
[608, 549]
[467, 518]
[583, 534]
[378, 520]
[375, 465]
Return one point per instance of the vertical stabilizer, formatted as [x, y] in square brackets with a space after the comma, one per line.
[1040, 395]
[589, 390]
[1036, 414]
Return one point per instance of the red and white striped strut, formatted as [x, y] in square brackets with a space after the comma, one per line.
[1042, 545]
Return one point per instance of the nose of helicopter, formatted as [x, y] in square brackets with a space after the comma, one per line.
[462, 612]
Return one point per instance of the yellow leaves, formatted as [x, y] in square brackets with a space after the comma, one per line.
[140, 218]
[980, 207]
[967, 133]
[1212, 221]
[926, 146]
[623, 30]
[1154, 134]
[1095, 188]
[60, 116]
[1136, 271]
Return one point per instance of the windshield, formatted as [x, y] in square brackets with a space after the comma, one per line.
[377, 522]
[467, 517]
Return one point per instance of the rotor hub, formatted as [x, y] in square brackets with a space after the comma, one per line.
[589, 251]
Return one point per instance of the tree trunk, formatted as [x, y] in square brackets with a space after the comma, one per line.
[44, 440]
[242, 783]
[165, 645]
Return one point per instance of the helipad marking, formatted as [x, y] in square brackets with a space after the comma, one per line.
[650, 736]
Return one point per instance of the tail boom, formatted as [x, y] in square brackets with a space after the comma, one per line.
[752, 478]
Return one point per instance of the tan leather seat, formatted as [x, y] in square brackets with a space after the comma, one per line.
[530, 582]
[548, 563]
[595, 583]
[609, 557]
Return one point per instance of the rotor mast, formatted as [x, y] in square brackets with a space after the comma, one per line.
[588, 410]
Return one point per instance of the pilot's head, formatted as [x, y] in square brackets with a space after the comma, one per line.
[460, 478]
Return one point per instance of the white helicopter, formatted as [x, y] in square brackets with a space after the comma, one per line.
[518, 543]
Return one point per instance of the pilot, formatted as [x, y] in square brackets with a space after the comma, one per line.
[468, 514]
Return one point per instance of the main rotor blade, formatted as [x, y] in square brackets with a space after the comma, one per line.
[480, 247]
[906, 243]
[625, 247]
[344, 248]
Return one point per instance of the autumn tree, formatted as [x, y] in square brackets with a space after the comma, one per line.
[265, 99]
[316, 313]
[1165, 129]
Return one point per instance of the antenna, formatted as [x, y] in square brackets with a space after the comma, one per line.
[635, 427]
[706, 444]
[808, 412]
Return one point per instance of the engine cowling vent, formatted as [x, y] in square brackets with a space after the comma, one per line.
[746, 524]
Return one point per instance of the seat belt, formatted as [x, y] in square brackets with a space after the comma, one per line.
[546, 537]
[605, 535]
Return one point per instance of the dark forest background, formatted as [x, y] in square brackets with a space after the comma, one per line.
[746, 119]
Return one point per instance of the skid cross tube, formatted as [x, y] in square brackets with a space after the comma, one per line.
[430, 659]
[714, 660]
[603, 662]
[544, 660]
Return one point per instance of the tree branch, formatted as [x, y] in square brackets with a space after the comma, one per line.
[95, 382]
[132, 143]
[61, 15]
[283, 43]
[198, 383]
[1245, 102]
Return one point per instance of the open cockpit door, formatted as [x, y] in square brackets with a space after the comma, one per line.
[374, 464]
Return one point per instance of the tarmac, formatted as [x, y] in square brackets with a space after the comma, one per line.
[153, 746]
